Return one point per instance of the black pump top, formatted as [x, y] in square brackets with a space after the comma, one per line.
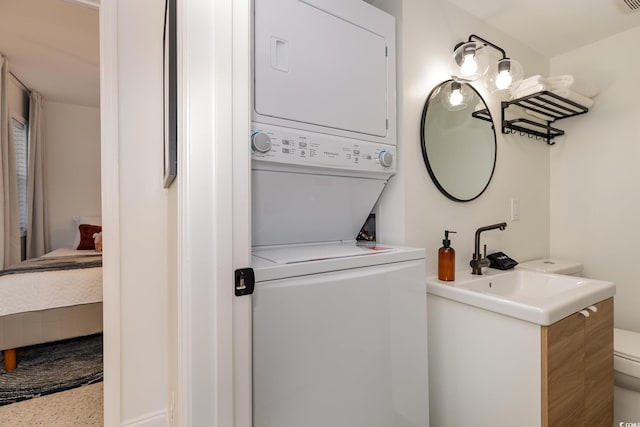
[446, 242]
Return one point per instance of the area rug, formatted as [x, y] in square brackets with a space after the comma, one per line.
[49, 368]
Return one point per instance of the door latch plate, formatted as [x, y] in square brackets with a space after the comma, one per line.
[245, 281]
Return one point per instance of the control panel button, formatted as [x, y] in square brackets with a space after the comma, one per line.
[275, 145]
[261, 142]
[385, 158]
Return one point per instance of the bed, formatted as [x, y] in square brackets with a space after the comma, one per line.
[54, 297]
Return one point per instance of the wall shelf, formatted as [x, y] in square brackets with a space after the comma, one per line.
[547, 104]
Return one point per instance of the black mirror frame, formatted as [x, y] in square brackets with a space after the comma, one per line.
[424, 147]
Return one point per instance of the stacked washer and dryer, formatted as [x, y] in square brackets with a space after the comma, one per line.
[339, 329]
[626, 350]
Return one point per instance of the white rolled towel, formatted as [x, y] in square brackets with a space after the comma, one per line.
[519, 93]
[567, 81]
[529, 82]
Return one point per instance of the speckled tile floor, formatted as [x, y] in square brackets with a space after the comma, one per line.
[82, 406]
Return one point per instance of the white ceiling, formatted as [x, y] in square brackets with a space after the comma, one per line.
[53, 47]
[553, 27]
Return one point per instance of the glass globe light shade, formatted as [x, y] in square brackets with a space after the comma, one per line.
[469, 61]
[456, 96]
[504, 75]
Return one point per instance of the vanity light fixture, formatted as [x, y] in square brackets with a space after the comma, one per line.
[470, 61]
[456, 96]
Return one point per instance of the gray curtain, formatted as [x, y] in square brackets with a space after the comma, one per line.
[36, 224]
[9, 216]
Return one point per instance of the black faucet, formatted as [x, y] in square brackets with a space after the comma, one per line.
[478, 260]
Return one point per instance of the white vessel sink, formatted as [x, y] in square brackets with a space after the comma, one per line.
[540, 298]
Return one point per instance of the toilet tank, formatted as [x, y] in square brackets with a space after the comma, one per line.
[550, 265]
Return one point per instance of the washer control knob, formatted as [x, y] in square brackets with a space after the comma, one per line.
[260, 142]
[385, 158]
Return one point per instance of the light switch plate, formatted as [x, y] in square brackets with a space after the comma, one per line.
[515, 209]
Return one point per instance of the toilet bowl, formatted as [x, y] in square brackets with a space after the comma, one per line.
[626, 366]
[626, 350]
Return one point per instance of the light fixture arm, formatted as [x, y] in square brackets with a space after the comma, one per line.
[486, 43]
[471, 61]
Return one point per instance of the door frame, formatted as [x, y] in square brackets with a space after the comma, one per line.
[214, 361]
[213, 331]
[110, 184]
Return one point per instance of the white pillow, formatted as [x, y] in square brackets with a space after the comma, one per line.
[77, 220]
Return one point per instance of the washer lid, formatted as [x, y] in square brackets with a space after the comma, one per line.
[626, 344]
[549, 265]
[305, 253]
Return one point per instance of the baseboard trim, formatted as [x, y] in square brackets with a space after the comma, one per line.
[153, 419]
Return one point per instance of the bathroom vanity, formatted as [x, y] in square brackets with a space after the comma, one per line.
[577, 369]
[520, 348]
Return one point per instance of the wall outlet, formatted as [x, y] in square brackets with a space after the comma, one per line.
[515, 209]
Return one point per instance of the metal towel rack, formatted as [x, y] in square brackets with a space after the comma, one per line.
[545, 103]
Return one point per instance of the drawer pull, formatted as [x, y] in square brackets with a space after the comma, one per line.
[585, 313]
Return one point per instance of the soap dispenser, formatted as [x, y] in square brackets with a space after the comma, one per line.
[446, 259]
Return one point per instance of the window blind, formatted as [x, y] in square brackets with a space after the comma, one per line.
[20, 139]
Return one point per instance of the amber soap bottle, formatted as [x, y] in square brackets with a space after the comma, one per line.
[446, 259]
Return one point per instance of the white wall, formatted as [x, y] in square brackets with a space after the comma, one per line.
[72, 168]
[428, 30]
[595, 175]
[412, 208]
[143, 215]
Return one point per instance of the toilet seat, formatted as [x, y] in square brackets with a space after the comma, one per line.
[626, 351]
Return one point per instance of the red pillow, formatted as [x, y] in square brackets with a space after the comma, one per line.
[86, 236]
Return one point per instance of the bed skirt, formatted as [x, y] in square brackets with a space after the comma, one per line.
[37, 327]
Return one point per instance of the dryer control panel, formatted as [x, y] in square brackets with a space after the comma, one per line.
[295, 147]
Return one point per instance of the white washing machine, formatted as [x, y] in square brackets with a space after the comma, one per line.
[339, 330]
[339, 337]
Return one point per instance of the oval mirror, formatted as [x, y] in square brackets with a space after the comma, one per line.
[458, 140]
